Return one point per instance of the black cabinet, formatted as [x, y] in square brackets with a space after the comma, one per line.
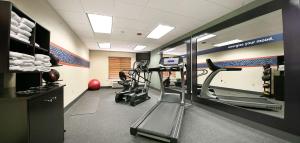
[33, 119]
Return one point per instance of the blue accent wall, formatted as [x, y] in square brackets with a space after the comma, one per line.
[245, 44]
[255, 62]
[67, 57]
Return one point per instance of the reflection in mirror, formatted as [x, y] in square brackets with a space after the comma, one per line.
[246, 66]
[172, 80]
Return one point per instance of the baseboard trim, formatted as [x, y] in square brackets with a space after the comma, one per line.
[74, 101]
[106, 87]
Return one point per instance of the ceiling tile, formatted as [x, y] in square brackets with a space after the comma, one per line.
[73, 17]
[126, 10]
[231, 4]
[67, 5]
[135, 2]
[132, 16]
[103, 7]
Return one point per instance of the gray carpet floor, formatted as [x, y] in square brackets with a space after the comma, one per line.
[111, 122]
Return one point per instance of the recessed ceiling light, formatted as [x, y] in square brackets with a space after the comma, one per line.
[169, 50]
[139, 47]
[160, 31]
[100, 24]
[104, 45]
[228, 42]
[205, 37]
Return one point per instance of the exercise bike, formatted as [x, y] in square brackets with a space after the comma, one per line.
[132, 92]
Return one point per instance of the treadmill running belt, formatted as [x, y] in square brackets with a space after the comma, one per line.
[246, 99]
[161, 120]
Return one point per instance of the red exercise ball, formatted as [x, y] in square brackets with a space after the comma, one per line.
[94, 84]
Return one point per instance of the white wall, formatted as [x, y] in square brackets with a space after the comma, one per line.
[99, 67]
[250, 77]
[76, 78]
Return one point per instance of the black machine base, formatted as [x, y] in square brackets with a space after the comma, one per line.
[132, 98]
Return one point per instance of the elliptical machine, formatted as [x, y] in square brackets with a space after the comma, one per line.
[132, 92]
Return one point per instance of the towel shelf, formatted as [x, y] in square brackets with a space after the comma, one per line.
[39, 35]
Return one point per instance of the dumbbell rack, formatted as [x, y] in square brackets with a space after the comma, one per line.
[267, 89]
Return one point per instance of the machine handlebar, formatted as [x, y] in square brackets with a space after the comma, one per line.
[214, 67]
[166, 68]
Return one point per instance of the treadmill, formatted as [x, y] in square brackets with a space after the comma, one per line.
[248, 102]
[163, 121]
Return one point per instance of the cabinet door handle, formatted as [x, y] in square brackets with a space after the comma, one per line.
[48, 100]
[52, 99]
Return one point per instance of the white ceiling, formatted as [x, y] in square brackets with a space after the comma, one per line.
[133, 16]
[265, 25]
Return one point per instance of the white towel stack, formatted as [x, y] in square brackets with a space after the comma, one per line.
[21, 62]
[20, 28]
[42, 62]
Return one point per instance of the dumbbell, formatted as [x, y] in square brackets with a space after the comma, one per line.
[266, 85]
[266, 77]
[267, 71]
[266, 93]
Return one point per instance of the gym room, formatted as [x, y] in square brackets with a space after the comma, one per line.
[149, 71]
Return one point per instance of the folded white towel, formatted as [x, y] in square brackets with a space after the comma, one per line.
[37, 45]
[13, 14]
[27, 65]
[13, 33]
[26, 33]
[20, 68]
[16, 17]
[28, 22]
[20, 56]
[47, 64]
[41, 57]
[28, 58]
[41, 63]
[19, 38]
[43, 69]
[15, 62]
[14, 28]
[43, 60]
[14, 22]
[18, 62]
[22, 36]
[38, 63]
[15, 68]
[14, 36]
[25, 27]
[13, 58]
[29, 68]
[15, 54]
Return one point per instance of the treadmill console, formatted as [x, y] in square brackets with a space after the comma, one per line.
[171, 61]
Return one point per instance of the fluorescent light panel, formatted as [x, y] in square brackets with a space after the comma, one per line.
[205, 37]
[139, 47]
[104, 45]
[100, 24]
[228, 42]
[160, 31]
